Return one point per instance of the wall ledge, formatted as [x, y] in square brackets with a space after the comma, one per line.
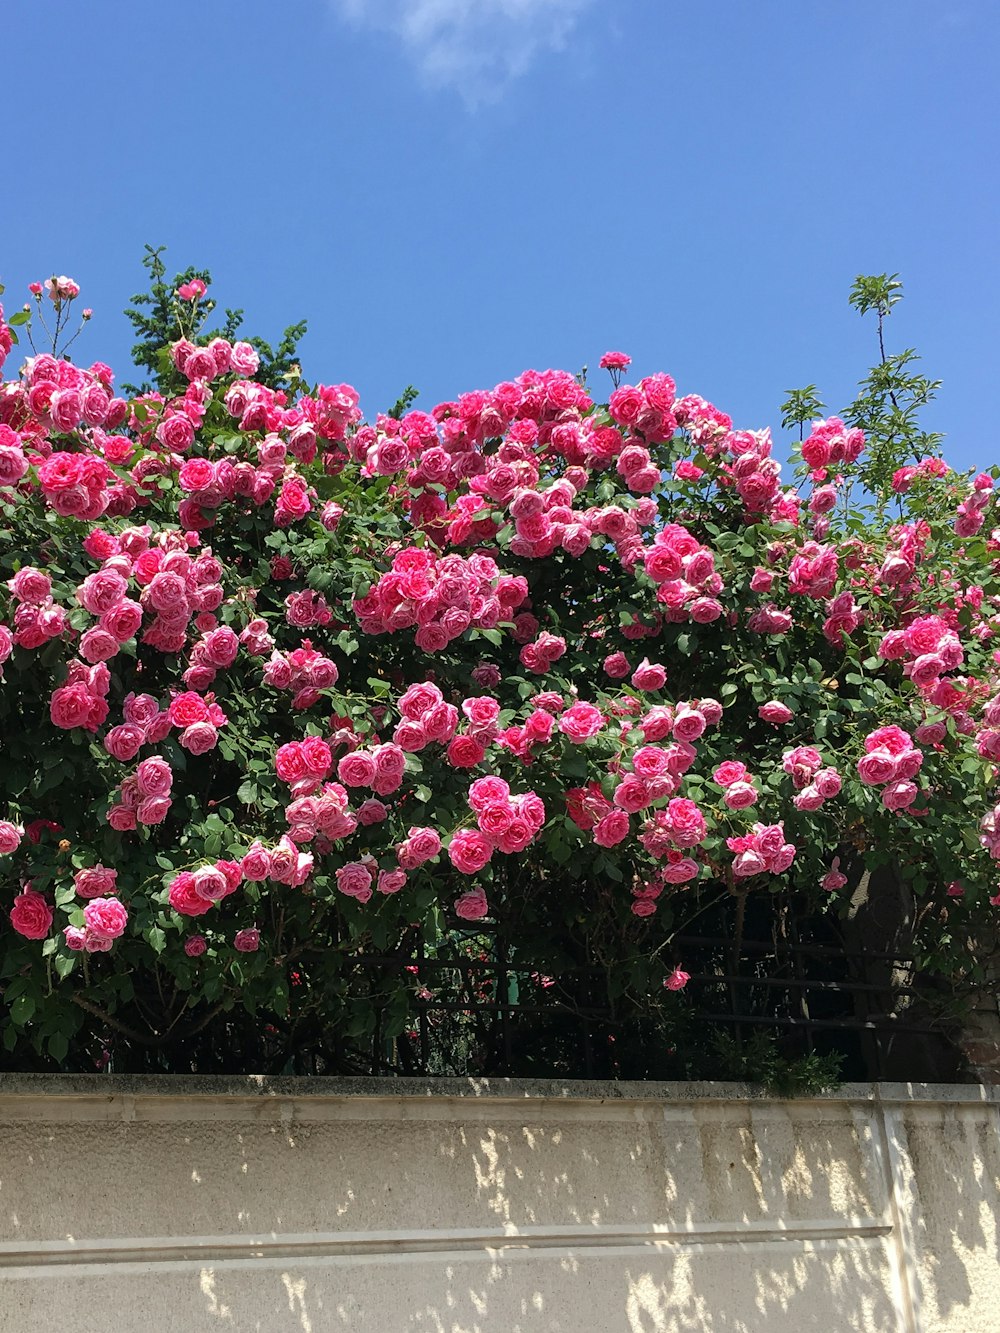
[250, 1087]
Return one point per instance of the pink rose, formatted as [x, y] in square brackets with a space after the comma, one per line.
[30, 585]
[210, 883]
[10, 837]
[98, 645]
[465, 752]
[356, 769]
[834, 879]
[419, 699]
[782, 859]
[154, 776]
[808, 799]
[877, 767]
[371, 812]
[828, 783]
[612, 829]
[199, 737]
[122, 621]
[487, 791]
[687, 823]
[680, 872]
[96, 882]
[748, 863]
[184, 898]
[677, 979]
[650, 761]
[899, 795]
[71, 706]
[256, 863]
[616, 665]
[195, 946]
[631, 794]
[102, 591]
[316, 757]
[31, 916]
[729, 772]
[482, 711]
[422, 844]
[140, 709]
[124, 743]
[581, 721]
[689, 723]
[472, 906]
[247, 941]
[775, 713]
[106, 918]
[440, 722]
[649, 675]
[469, 851]
[391, 881]
[770, 838]
[355, 880]
[930, 733]
[739, 795]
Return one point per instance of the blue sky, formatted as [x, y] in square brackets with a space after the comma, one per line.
[454, 190]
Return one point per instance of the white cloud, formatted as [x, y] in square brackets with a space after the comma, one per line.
[475, 46]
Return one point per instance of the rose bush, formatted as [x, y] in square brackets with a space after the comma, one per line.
[282, 685]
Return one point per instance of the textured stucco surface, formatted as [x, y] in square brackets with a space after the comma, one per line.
[506, 1208]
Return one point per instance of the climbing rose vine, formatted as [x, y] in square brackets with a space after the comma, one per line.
[281, 683]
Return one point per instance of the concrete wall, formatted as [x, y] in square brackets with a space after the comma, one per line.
[140, 1205]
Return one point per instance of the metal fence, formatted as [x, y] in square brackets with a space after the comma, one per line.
[785, 987]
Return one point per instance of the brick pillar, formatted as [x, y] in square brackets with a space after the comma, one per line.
[980, 1040]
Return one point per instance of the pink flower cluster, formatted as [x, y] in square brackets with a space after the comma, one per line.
[380, 768]
[325, 813]
[105, 920]
[763, 849]
[679, 827]
[813, 570]
[144, 798]
[219, 357]
[442, 595]
[685, 571]
[644, 409]
[830, 444]
[304, 671]
[737, 783]
[505, 823]
[195, 892]
[928, 647]
[198, 719]
[82, 701]
[37, 618]
[424, 717]
[972, 510]
[304, 764]
[755, 474]
[145, 723]
[891, 761]
[284, 863]
[814, 784]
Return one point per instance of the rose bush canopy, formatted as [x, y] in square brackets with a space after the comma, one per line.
[281, 683]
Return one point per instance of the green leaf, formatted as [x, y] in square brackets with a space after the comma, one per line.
[58, 1046]
[22, 1009]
